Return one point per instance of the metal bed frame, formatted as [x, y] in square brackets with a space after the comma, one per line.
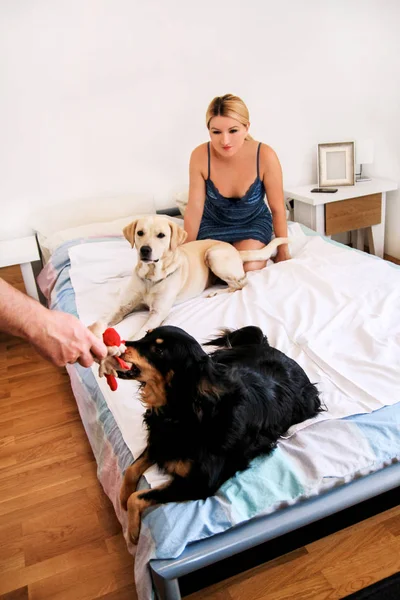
[165, 573]
[199, 555]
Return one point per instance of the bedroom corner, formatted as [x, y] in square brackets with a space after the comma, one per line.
[101, 105]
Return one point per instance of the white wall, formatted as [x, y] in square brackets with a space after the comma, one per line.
[109, 96]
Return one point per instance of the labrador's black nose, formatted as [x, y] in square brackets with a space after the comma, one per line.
[145, 251]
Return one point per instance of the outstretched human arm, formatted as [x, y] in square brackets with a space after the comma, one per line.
[59, 337]
[273, 184]
[197, 195]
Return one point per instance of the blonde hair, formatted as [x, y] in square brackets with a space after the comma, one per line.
[228, 106]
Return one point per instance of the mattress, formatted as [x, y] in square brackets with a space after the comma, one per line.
[332, 309]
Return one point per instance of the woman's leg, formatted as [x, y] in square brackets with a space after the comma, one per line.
[251, 245]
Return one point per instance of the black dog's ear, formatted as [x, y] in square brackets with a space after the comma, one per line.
[206, 388]
[189, 357]
[169, 377]
[208, 395]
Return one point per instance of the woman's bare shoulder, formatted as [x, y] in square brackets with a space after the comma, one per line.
[266, 152]
[199, 161]
[268, 158]
[199, 152]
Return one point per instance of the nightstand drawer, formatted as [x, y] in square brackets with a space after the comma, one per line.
[357, 213]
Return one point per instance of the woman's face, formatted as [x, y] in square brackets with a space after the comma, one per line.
[227, 135]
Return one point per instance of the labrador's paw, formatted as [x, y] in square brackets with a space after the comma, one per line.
[219, 292]
[98, 328]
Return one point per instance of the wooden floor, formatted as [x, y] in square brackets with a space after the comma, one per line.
[60, 540]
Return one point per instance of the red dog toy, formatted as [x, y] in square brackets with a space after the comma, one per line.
[112, 338]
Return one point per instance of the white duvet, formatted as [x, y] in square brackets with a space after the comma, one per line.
[334, 310]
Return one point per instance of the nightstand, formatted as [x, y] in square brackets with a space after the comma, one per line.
[23, 252]
[352, 208]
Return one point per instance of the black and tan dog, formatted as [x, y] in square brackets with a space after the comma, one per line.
[208, 416]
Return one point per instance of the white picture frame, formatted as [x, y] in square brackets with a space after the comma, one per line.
[336, 164]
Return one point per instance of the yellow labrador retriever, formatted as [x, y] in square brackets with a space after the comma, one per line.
[168, 272]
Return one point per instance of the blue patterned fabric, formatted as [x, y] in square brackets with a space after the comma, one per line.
[235, 219]
[314, 460]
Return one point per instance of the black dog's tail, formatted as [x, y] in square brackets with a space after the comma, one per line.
[244, 336]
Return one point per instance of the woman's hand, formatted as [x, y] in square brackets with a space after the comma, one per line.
[273, 184]
[282, 254]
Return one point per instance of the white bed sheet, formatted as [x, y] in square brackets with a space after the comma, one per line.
[333, 310]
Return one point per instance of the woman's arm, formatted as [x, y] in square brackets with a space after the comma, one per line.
[273, 184]
[197, 196]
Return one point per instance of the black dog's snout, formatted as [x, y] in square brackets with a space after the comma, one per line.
[133, 372]
[145, 251]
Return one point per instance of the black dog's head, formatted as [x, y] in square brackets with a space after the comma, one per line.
[156, 358]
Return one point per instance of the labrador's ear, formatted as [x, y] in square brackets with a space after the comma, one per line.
[178, 235]
[129, 232]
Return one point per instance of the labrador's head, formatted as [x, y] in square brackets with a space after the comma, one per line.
[154, 236]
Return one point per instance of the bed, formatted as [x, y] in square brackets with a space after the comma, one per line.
[334, 310]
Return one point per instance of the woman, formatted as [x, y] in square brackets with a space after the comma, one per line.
[229, 178]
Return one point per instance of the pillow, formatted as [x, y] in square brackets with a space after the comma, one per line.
[181, 200]
[50, 219]
[110, 228]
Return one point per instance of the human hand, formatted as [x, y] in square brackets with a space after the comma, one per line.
[62, 338]
[282, 254]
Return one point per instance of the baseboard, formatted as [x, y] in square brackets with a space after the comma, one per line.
[392, 259]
